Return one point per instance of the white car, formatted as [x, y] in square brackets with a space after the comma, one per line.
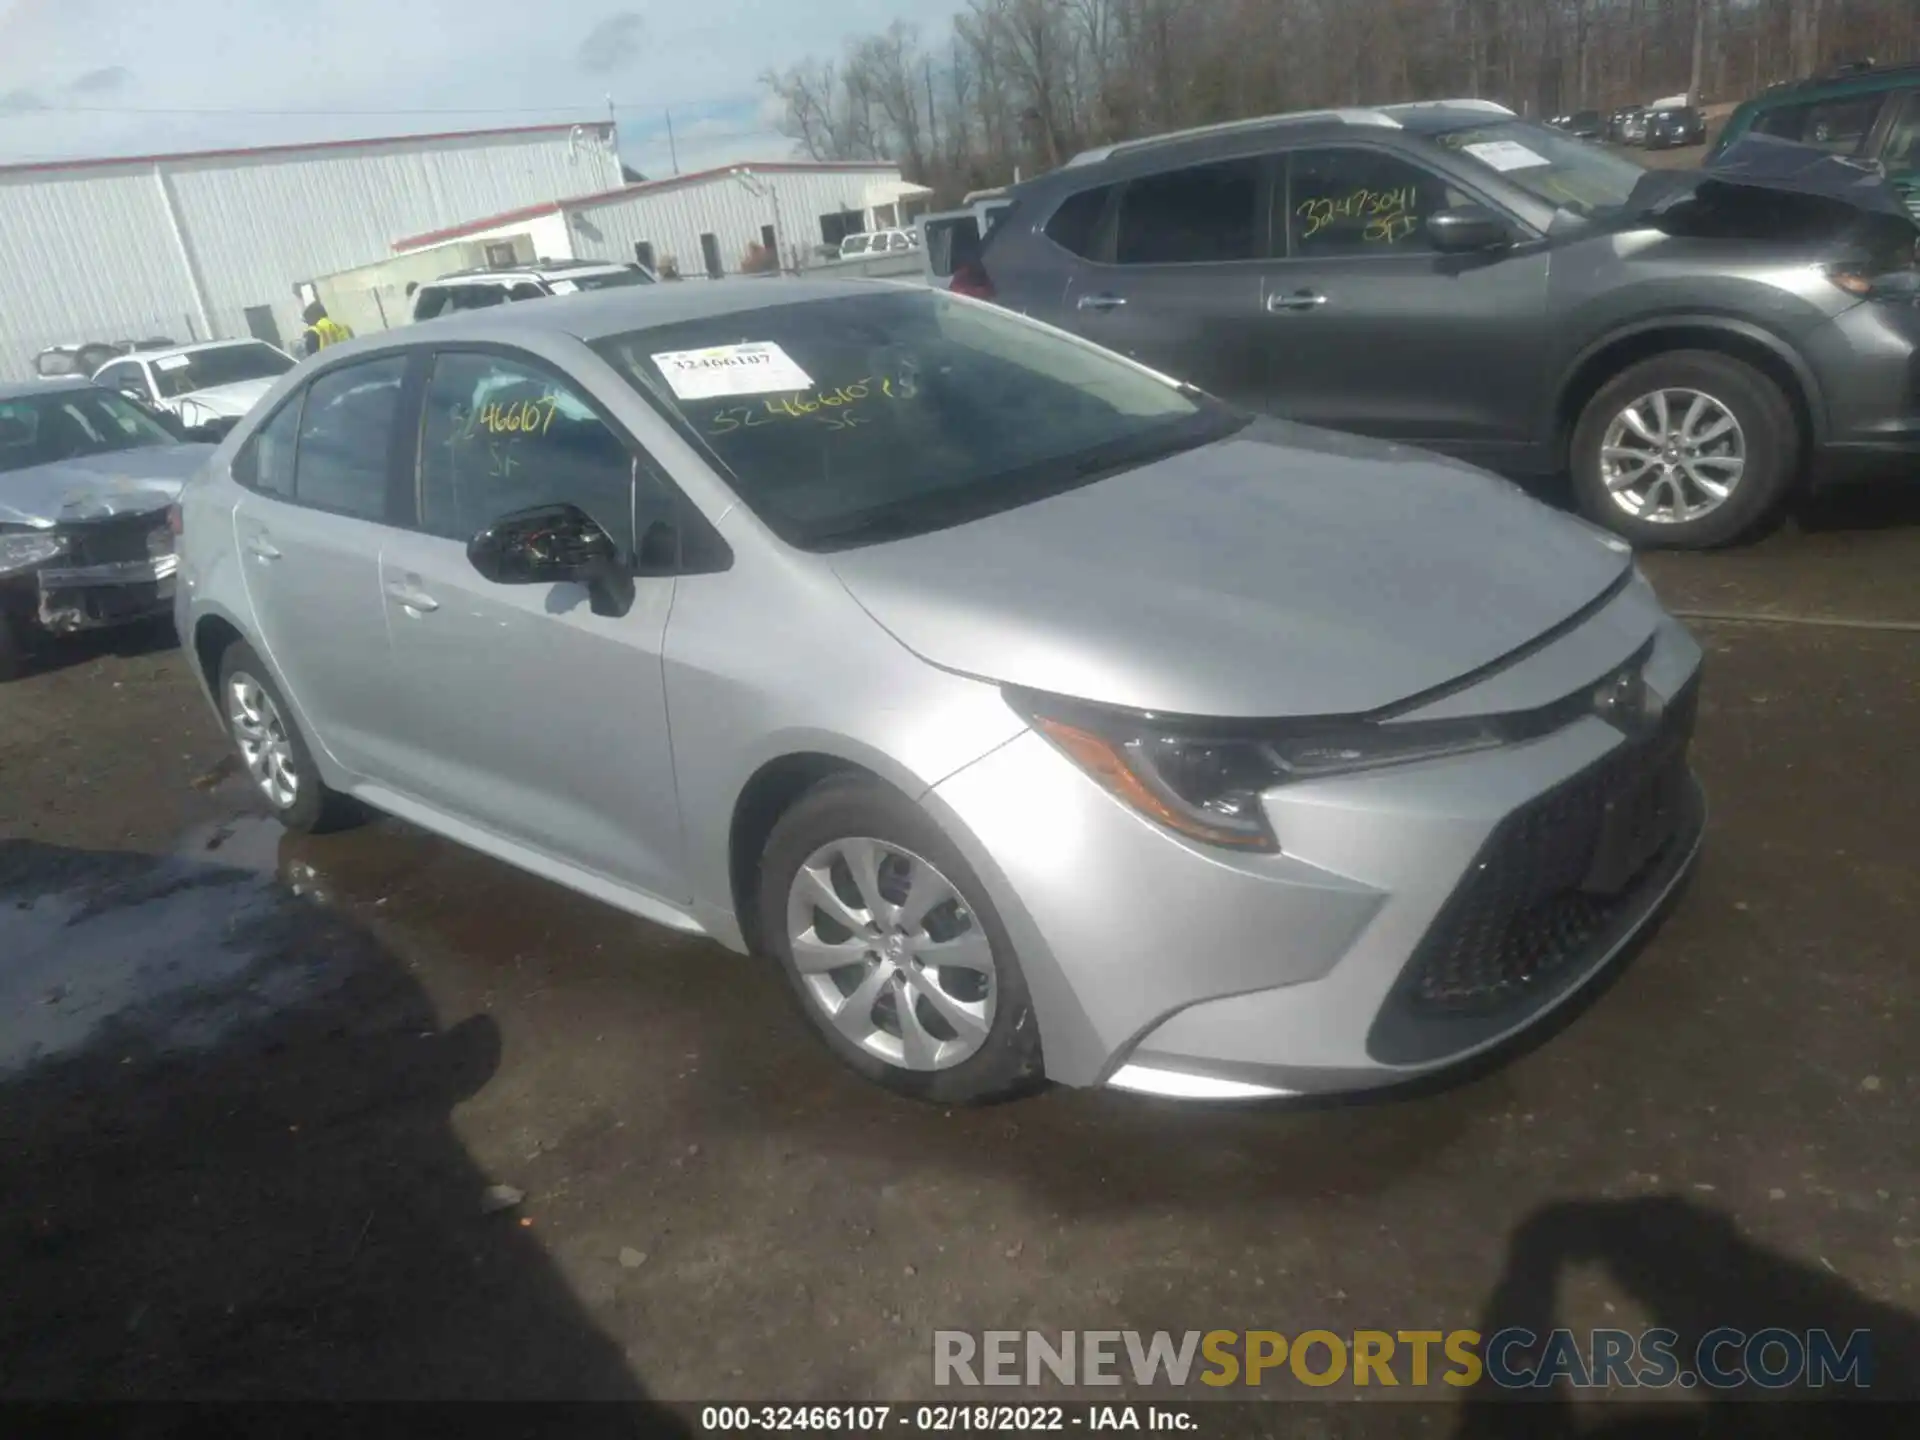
[477, 289]
[879, 242]
[204, 384]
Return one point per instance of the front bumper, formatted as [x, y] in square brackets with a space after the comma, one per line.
[97, 597]
[1163, 966]
[1868, 360]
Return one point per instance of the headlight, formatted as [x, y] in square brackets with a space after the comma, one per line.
[19, 551]
[1204, 781]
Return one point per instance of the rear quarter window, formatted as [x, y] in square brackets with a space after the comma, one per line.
[1075, 225]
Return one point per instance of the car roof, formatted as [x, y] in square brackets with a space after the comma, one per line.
[540, 269]
[594, 314]
[52, 385]
[1863, 81]
[1421, 117]
[163, 351]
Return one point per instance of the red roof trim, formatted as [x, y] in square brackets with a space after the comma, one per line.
[470, 227]
[625, 192]
[43, 166]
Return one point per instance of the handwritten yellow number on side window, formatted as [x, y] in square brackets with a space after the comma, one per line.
[1385, 211]
[522, 417]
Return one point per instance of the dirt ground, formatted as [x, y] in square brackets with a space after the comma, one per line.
[254, 1088]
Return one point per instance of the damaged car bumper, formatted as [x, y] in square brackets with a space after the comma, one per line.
[105, 573]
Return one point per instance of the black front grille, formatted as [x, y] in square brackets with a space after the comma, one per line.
[1529, 917]
[109, 542]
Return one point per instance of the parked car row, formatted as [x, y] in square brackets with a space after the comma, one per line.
[828, 572]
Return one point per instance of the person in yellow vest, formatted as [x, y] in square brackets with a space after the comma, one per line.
[321, 330]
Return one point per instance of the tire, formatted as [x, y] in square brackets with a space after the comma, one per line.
[996, 1055]
[1765, 435]
[275, 755]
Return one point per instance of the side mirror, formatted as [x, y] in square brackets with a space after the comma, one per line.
[552, 544]
[1466, 228]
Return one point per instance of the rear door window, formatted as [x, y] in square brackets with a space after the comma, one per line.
[1075, 226]
[346, 438]
[1203, 214]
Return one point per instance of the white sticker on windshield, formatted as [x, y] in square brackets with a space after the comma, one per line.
[172, 362]
[1506, 155]
[756, 368]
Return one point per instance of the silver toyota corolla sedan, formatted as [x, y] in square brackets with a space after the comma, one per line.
[1039, 715]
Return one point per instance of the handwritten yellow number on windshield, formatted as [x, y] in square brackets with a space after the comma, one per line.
[831, 408]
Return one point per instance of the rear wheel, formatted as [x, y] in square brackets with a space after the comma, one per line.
[1687, 449]
[892, 948]
[274, 752]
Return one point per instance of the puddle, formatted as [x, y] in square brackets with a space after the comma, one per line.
[165, 954]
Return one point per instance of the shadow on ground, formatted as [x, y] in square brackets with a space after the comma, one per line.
[1690, 1271]
[227, 1168]
[46, 654]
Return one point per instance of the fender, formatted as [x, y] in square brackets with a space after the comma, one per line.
[1729, 325]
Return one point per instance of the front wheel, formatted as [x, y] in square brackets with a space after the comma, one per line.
[1688, 449]
[273, 750]
[895, 953]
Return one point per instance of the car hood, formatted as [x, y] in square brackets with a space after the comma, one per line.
[232, 400]
[1281, 572]
[94, 487]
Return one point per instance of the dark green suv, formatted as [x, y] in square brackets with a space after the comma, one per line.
[1864, 111]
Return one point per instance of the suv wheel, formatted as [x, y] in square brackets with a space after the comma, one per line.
[890, 944]
[273, 750]
[1687, 449]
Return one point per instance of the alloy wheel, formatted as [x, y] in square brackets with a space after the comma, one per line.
[888, 950]
[1673, 456]
[262, 737]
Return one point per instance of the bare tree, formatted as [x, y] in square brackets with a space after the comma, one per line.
[1019, 84]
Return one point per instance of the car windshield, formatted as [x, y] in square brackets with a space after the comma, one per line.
[1576, 175]
[44, 429]
[605, 281]
[221, 365]
[855, 244]
[850, 420]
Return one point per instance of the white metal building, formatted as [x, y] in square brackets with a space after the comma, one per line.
[707, 220]
[212, 244]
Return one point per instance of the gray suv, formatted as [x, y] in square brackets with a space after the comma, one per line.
[1445, 274]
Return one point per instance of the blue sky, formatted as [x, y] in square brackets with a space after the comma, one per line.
[113, 77]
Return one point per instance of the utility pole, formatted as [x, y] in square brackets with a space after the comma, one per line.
[613, 129]
[673, 153]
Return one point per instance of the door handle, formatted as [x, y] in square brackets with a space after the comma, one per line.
[1100, 302]
[263, 547]
[1298, 300]
[413, 599]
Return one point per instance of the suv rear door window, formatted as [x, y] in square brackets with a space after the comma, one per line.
[1075, 225]
[1361, 202]
[1199, 215]
[1840, 125]
[346, 438]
